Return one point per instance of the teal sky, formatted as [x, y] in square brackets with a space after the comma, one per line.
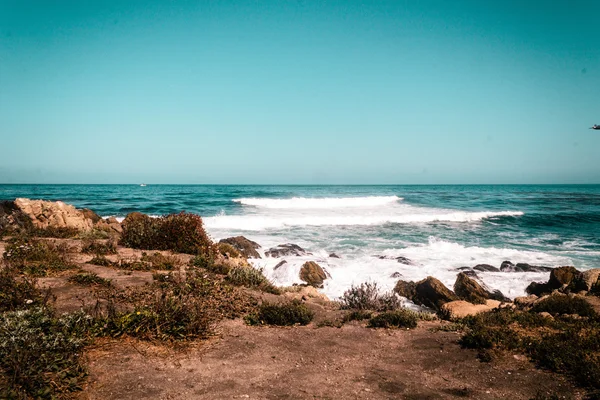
[299, 91]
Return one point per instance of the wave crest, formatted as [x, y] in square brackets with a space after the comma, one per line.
[318, 203]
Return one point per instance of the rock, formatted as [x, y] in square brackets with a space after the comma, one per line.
[55, 214]
[471, 274]
[507, 266]
[245, 246]
[301, 292]
[333, 255]
[279, 264]
[406, 289]
[288, 249]
[486, 268]
[537, 288]
[460, 308]
[562, 276]
[396, 275]
[112, 220]
[313, 274]
[469, 290]
[546, 314]
[404, 260]
[432, 293]
[587, 279]
[91, 215]
[11, 217]
[525, 301]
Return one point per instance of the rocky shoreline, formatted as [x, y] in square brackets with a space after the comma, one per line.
[48, 246]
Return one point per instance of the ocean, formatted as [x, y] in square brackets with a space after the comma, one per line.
[439, 228]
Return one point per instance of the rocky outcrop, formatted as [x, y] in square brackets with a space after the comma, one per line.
[561, 278]
[507, 266]
[55, 214]
[587, 280]
[406, 289]
[460, 308]
[333, 255]
[404, 260]
[432, 293]
[477, 293]
[525, 301]
[312, 274]
[287, 249]
[486, 268]
[11, 217]
[243, 245]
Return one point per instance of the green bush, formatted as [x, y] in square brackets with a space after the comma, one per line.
[101, 261]
[228, 250]
[402, 318]
[89, 279]
[37, 257]
[281, 314]
[18, 293]
[40, 354]
[251, 277]
[99, 247]
[367, 297]
[559, 304]
[182, 233]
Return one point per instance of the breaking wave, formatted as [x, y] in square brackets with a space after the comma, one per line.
[318, 203]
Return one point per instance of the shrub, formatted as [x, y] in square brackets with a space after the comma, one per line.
[101, 261]
[54, 232]
[402, 318]
[228, 250]
[367, 297]
[37, 257]
[40, 353]
[251, 277]
[559, 304]
[99, 247]
[160, 261]
[357, 315]
[89, 279]
[281, 314]
[208, 263]
[182, 233]
[17, 293]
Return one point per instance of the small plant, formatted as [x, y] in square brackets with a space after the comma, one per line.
[40, 353]
[402, 318]
[228, 250]
[251, 277]
[367, 297]
[99, 247]
[89, 279]
[133, 264]
[101, 261]
[357, 315]
[160, 261]
[19, 292]
[54, 232]
[281, 314]
[37, 257]
[559, 304]
[208, 263]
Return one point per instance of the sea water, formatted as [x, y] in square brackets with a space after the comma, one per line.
[439, 228]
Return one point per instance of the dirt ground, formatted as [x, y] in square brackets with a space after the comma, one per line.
[352, 362]
[244, 362]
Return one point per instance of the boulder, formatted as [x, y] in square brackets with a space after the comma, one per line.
[313, 274]
[468, 289]
[279, 264]
[287, 249]
[245, 246]
[525, 301]
[562, 276]
[404, 260]
[406, 289]
[486, 268]
[54, 214]
[396, 275]
[432, 293]
[587, 280]
[459, 308]
[507, 266]
[537, 288]
[333, 255]
[91, 215]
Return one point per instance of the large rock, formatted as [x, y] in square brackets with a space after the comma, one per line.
[460, 308]
[562, 276]
[313, 274]
[507, 266]
[44, 214]
[468, 289]
[432, 293]
[486, 268]
[406, 289]
[287, 249]
[587, 280]
[245, 246]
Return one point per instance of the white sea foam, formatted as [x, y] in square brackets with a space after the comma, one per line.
[438, 258]
[319, 203]
[269, 221]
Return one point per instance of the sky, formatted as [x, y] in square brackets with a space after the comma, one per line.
[299, 92]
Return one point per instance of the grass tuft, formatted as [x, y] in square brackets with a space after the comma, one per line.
[281, 314]
[402, 318]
